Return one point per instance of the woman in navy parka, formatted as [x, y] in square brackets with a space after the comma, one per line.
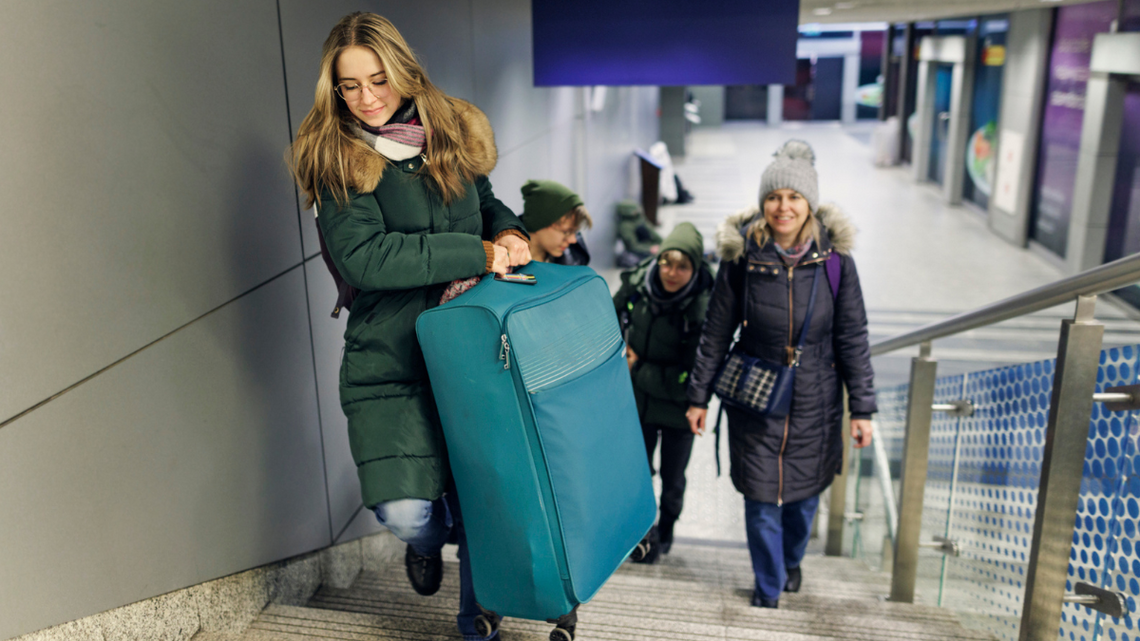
[781, 465]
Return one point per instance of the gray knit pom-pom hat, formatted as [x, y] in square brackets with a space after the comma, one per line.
[793, 168]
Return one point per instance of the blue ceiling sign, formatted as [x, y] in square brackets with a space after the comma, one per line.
[664, 42]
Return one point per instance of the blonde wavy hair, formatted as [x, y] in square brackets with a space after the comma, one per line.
[318, 157]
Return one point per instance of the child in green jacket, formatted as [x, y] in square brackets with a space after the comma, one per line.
[661, 305]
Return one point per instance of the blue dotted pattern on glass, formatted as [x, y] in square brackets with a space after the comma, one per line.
[999, 454]
[1105, 540]
[999, 465]
[936, 495]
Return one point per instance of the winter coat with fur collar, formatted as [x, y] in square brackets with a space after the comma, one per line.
[400, 245]
[786, 460]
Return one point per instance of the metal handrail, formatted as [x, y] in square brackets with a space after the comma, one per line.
[1108, 277]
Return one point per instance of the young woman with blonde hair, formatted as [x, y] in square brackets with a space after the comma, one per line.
[397, 172]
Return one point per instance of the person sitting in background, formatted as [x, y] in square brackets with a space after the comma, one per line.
[661, 304]
[554, 215]
[638, 237]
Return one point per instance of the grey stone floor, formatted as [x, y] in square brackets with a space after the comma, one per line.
[698, 592]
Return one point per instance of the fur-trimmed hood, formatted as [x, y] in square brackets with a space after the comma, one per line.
[733, 232]
[366, 166]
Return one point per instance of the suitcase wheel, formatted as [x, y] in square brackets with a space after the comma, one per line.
[487, 624]
[562, 634]
[566, 625]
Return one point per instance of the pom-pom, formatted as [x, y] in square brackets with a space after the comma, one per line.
[796, 150]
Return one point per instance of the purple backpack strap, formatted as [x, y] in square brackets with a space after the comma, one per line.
[834, 271]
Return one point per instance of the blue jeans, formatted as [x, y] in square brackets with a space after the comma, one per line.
[426, 526]
[777, 539]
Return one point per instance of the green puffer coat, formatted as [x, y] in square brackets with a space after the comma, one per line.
[400, 245]
[664, 332]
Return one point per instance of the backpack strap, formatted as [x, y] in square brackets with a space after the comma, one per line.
[345, 293]
[834, 272]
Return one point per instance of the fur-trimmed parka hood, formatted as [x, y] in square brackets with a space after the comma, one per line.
[366, 166]
[733, 232]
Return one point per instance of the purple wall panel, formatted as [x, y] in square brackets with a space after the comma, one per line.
[665, 43]
[1076, 26]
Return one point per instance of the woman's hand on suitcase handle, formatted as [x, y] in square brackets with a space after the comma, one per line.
[860, 432]
[518, 250]
[502, 263]
[697, 416]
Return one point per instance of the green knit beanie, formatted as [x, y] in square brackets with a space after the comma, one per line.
[544, 202]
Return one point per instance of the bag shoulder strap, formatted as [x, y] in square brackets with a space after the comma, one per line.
[345, 293]
[810, 309]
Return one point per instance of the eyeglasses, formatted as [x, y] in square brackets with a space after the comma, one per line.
[681, 267]
[351, 91]
[567, 233]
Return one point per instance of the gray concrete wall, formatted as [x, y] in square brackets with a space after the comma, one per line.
[712, 104]
[168, 367]
[1023, 89]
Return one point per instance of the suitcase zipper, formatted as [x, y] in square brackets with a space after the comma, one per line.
[505, 353]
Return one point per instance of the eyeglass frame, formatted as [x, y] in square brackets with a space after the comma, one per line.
[336, 90]
[565, 234]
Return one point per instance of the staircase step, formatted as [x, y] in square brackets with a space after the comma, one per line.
[696, 593]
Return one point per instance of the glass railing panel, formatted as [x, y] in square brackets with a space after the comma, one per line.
[1106, 535]
[890, 428]
[944, 429]
[995, 494]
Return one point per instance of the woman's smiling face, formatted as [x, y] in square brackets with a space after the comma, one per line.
[786, 212]
[364, 86]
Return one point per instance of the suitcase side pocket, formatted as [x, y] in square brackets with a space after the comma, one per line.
[592, 444]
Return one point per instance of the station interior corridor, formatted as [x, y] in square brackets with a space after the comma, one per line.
[176, 458]
[920, 260]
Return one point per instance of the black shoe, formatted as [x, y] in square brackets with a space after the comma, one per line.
[665, 535]
[760, 602]
[652, 547]
[425, 573]
[794, 580]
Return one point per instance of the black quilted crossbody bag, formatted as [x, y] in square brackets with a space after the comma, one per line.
[757, 386]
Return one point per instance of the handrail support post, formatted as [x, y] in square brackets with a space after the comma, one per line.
[916, 448]
[1066, 436]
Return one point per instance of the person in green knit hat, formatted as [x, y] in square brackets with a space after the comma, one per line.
[661, 305]
[554, 216]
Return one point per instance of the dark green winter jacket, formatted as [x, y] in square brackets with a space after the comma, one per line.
[664, 331]
[400, 245]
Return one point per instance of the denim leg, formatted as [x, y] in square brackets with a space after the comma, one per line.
[468, 606]
[421, 524]
[766, 545]
[797, 518]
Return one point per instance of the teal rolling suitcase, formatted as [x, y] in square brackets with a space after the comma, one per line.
[543, 437]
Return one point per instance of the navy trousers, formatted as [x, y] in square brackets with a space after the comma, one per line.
[777, 539]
